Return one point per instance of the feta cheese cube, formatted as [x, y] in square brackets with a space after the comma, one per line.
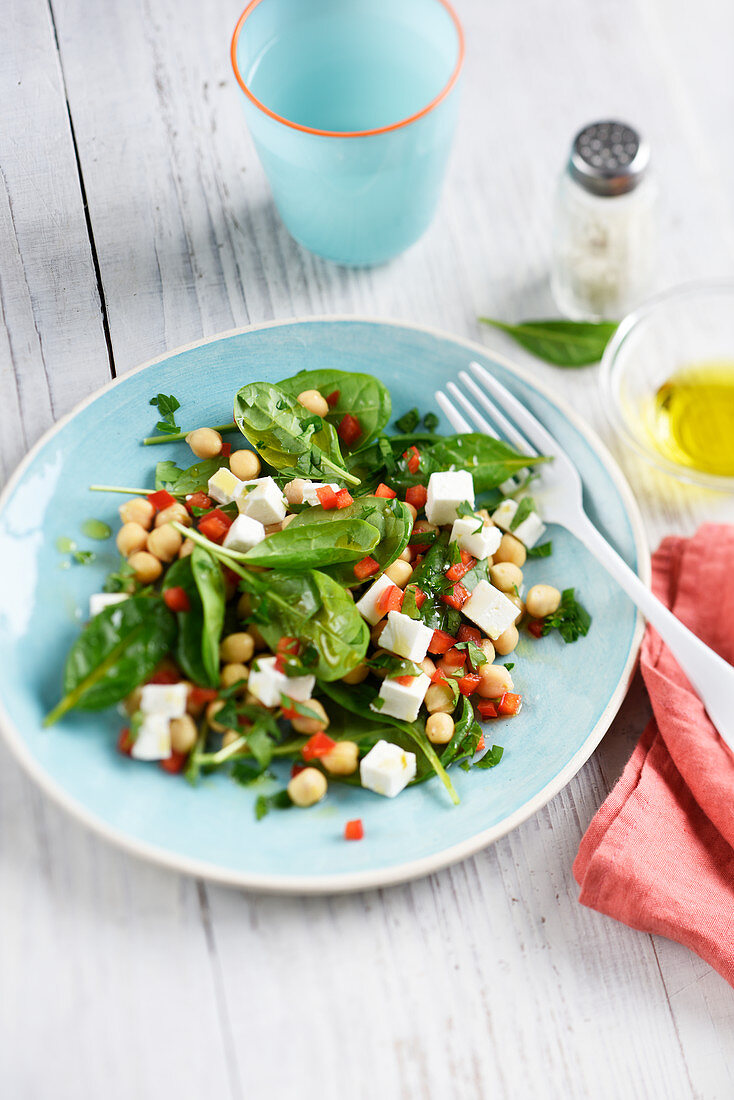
[367, 606]
[153, 741]
[403, 700]
[387, 769]
[405, 636]
[267, 684]
[167, 700]
[261, 499]
[490, 609]
[446, 491]
[244, 533]
[100, 600]
[310, 487]
[472, 536]
[224, 486]
[528, 532]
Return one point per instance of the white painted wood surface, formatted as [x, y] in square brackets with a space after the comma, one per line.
[487, 980]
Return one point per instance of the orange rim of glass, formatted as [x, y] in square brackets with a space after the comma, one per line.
[348, 133]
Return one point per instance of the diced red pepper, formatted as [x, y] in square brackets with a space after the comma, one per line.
[420, 598]
[417, 560]
[289, 712]
[454, 658]
[487, 709]
[199, 696]
[417, 495]
[481, 746]
[215, 524]
[175, 763]
[288, 645]
[469, 634]
[161, 500]
[226, 450]
[438, 676]
[456, 572]
[296, 769]
[469, 683]
[406, 681]
[165, 675]
[327, 497]
[354, 830]
[332, 399]
[383, 490]
[367, 567]
[279, 665]
[344, 498]
[536, 628]
[349, 430]
[413, 458]
[231, 579]
[441, 642]
[510, 703]
[456, 598]
[318, 745]
[176, 599]
[197, 500]
[391, 599]
[125, 742]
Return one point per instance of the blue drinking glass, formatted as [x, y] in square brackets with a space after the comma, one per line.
[352, 107]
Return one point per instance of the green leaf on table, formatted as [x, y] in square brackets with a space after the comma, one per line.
[562, 343]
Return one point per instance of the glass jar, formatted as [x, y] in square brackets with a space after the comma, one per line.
[605, 225]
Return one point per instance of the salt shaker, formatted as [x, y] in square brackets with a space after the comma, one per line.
[604, 234]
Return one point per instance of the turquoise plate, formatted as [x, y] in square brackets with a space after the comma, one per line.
[571, 692]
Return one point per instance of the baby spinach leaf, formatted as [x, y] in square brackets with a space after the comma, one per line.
[491, 758]
[562, 343]
[391, 518]
[467, 733]
[195, 479]
[490, 461]
[117, 651]
[315, 609]
[312, 546]
[198, 632]
[209, 582]
[286, 435]
[362, 395]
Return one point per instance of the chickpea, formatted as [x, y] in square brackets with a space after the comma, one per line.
[343, 758]
[440, 728]
[439, 697]
[232, 673]
[245, 465]
[511, 550]
[507, 641]
[212, 711]
[380, 673]
[244, 606]
[495, 680]
[517, 600]
[423, 526]
[271, 528]
[308, 787]
[132, 702]
[485, 517]
[175, 513]
[138, 510]
[205, 442]
[259, 641]
[302, 724]
[542, 600]
[399, 573]
[229, 738]
[314, 402]
[147, 567]
[187, 548]
[487, 649]
[237, 647]
[287, 519]
[130, 538]
[505, 576]
[428, 666]
[357, 675]
[183, 733]
[412, 509]
[406, 555]
[293, 491]
[377, 630]
[164, 542]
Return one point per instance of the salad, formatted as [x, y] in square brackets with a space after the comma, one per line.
[326, 593]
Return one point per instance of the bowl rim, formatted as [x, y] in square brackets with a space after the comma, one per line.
[609, 380]
[453, 78]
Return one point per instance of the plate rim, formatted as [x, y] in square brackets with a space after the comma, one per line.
[377, 877]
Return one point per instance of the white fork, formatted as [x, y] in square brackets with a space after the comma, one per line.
[711, 676]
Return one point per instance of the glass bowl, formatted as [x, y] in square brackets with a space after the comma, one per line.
[691, 325]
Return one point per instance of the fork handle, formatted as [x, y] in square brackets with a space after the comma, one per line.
[711, 676]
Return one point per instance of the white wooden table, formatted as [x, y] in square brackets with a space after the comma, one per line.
[134, 217]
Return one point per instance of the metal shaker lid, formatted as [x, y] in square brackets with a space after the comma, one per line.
[608, 158]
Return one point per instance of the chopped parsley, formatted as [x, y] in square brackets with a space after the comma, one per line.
[571, 620]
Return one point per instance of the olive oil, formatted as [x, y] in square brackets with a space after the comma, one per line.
[692, 420]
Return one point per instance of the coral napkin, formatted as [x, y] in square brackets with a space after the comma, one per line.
[659, 855]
